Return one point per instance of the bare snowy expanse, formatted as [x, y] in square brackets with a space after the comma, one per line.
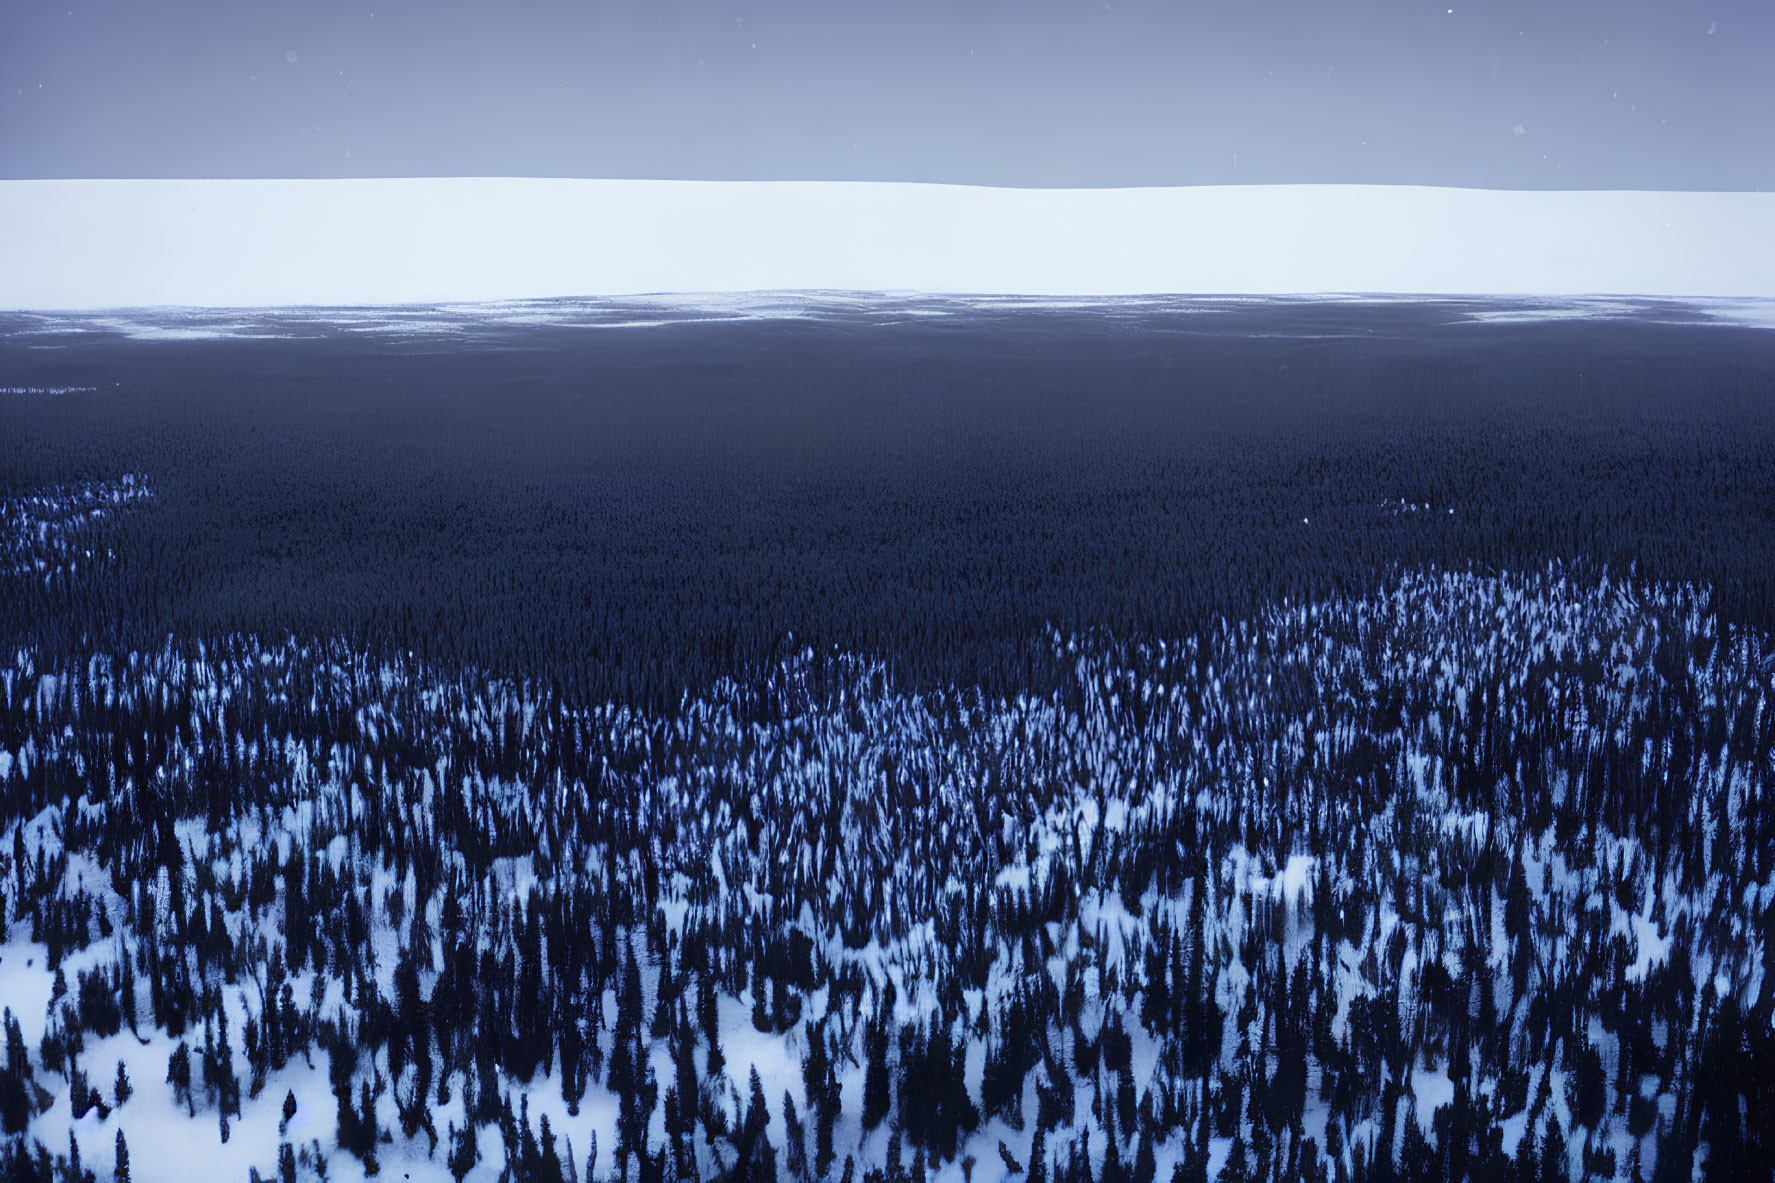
[108, 244]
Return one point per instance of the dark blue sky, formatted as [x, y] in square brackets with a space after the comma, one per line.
[1545, 94]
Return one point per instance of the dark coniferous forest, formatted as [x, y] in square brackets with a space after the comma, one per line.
[898, 741]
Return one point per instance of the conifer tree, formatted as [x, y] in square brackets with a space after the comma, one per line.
[465, 1150]
[77, 1173]
[178, 1074]
[1555, 1162]
[875, 1075]
[18, 1103]
[794, 1140]
[548, 1164]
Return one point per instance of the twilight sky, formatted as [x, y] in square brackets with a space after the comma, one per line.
[1649, 94]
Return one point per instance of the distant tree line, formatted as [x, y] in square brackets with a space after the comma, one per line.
[630, 514]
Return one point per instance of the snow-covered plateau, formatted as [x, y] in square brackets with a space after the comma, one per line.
[247, 243]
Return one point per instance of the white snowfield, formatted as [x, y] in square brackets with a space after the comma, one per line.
[84, 244]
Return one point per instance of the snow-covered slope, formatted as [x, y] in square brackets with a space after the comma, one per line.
[90, 244]
[1467, 878]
